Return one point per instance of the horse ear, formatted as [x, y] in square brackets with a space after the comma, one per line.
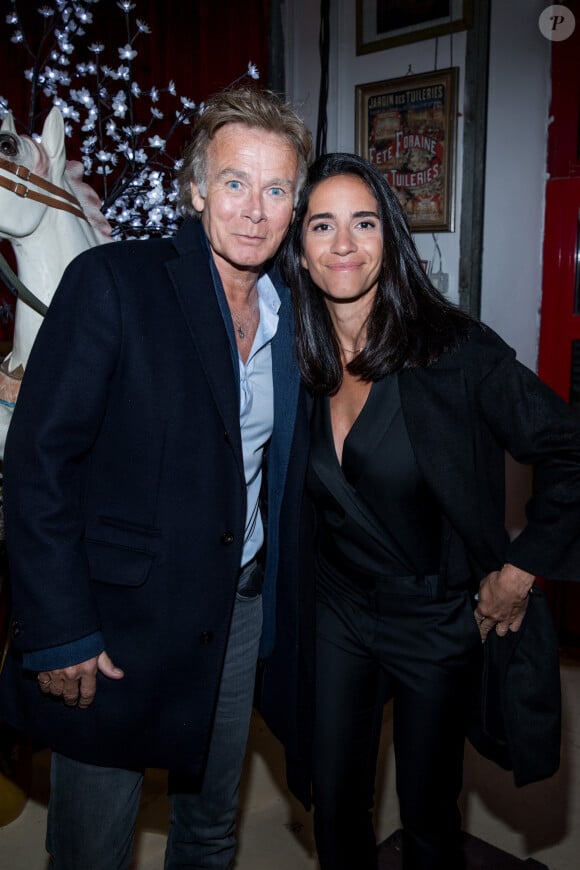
[8, 124]
[53, 139]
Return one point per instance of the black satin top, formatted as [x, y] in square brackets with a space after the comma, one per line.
[375, 511]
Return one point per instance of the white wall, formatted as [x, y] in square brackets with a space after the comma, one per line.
[517, 123]
[519, 87]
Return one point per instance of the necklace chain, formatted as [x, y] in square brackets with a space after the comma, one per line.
[348, 350]
[243, 324]
[239, 327]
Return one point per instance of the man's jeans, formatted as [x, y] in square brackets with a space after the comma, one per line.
[92, 810]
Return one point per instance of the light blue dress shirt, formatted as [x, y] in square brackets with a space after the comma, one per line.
[257, 412]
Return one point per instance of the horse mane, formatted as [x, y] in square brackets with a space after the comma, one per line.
[88, 198]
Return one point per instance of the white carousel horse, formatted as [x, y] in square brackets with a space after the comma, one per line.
[49, 215]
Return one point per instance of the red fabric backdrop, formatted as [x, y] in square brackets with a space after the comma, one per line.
[201, 45]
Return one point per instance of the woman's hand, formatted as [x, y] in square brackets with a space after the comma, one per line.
[503, 599]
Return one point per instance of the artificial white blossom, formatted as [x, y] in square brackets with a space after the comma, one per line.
[82, 96]
[124, 135]
[127, 52]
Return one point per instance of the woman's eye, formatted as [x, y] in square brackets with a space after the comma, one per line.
[367, 225]
[320, 227]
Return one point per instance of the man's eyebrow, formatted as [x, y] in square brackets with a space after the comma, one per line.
[282, 182]
[231, 171]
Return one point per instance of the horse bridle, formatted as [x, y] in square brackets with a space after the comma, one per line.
[55, 197]
[58, 197]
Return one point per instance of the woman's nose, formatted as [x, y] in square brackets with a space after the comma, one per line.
[343, 241]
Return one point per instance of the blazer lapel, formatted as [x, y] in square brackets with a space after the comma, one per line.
[439, 419]
[325, 464]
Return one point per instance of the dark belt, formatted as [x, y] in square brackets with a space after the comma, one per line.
[250, 579]
[430, 585]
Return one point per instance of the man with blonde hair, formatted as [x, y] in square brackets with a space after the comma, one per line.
[155, 444]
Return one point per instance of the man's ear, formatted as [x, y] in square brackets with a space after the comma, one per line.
[197, 200]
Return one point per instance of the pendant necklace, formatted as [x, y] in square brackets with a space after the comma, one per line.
[239, 328]
[243, 325]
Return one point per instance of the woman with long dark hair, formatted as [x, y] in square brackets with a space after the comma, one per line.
[414, 404]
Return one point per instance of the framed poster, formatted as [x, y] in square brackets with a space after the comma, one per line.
[406, 128]
[383, 24]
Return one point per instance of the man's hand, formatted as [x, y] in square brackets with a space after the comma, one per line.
[503, 599]
[77, 685]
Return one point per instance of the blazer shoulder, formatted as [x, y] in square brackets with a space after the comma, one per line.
[127, 250]
[479, 350]
[145, 252]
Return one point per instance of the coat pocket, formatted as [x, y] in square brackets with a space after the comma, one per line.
[120, 553]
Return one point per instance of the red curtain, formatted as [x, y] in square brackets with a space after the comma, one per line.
[200, 45]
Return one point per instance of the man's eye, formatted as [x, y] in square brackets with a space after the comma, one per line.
[277, 191]
[234, 185]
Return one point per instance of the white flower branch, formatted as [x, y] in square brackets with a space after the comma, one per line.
[124, 134]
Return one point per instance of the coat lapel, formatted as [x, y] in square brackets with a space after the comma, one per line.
[191, 278]
[286, 385]
[439, 418]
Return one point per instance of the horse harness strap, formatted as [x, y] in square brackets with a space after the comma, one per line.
[55, 200]
[19, 289]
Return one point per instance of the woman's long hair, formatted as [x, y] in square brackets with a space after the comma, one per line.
[410, 323]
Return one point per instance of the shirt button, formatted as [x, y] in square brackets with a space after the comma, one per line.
[227, 437]
[227, 538]
[15, 627]
[206, 637]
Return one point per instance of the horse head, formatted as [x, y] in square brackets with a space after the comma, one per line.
[20, 155]
[50, 215]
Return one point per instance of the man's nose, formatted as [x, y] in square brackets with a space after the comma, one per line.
[255, 206]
